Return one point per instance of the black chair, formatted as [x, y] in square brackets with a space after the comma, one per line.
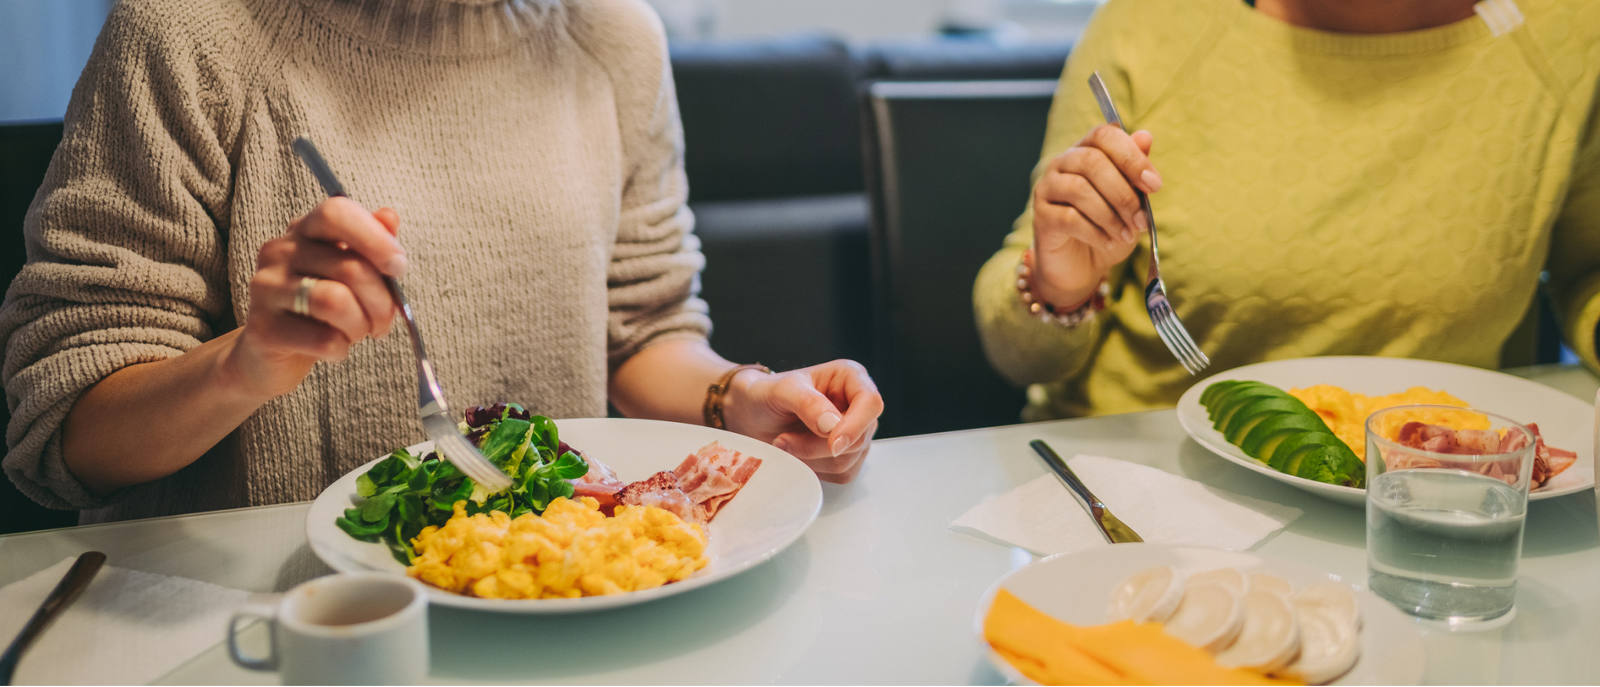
[26, 148]
[774, 163]
[947, 169]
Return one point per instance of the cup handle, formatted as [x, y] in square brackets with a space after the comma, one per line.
[255, 610]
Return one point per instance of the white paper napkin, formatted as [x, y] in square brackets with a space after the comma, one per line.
[1043, 517]
[129, 627]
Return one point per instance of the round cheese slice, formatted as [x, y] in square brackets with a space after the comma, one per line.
[1230, 578]
[1270, 636]
[1209, 616]
[1271, 583]
[1150, 595]
[1329, 645]
[1334, 597]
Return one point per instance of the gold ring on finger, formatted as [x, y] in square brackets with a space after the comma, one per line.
[302, 297]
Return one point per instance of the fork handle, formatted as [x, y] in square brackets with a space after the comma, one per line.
[320, 169]
[1109, 110]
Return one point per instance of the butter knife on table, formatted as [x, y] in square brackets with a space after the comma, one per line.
[66, 591]
[1114, 530]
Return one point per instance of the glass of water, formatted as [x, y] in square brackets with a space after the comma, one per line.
[1447, 495]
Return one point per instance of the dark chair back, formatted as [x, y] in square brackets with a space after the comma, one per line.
[947, 169]
[26, 149]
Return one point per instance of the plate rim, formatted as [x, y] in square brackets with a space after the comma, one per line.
[1014, 676]
[435, 595]
[1336, 492]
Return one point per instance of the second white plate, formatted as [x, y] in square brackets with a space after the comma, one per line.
[1564, 421]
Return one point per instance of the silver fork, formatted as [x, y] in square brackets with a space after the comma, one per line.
[1168, 327]
[436, 417]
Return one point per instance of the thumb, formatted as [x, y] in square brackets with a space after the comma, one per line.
[796, 394]
[389, 219]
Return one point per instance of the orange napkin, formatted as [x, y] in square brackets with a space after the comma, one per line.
[1052, 652]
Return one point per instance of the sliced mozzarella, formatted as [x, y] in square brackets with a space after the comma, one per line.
[1269, 638]
[1329, 644]
[1229, 578]
[1209, 616]
[1335, 597]
[1150, 595]
[1271, 583]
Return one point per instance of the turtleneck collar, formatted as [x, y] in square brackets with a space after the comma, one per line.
[437, 27]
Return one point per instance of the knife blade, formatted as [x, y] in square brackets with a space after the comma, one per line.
[67, 590]
[1114, 530]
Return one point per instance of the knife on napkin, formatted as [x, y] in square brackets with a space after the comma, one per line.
[1110, 526]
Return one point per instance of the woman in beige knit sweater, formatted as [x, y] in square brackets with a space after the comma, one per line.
[196, 328]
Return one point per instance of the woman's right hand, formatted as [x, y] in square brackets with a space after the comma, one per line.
[1086, 217]
[344, 250]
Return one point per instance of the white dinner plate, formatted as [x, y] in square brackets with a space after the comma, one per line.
[1564, 421]
[1076, 587]
[772, 510]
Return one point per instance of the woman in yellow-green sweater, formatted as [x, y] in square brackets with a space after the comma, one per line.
[1380, 177]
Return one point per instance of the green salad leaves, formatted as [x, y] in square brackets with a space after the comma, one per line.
[404, 493]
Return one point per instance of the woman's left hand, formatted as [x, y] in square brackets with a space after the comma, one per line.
[825, 415]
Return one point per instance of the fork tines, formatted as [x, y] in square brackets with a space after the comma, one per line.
[460, 452]
[1173, 333]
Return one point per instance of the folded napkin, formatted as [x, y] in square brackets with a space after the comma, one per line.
[1043, 517]
[128, 628]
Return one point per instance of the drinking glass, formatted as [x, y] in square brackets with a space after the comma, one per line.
[1445, 510]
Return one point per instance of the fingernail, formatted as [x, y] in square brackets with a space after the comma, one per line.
[396, 267]
[781, 443]
[827, 422]
[839, 446]
[1140, 221]
[1152, 181]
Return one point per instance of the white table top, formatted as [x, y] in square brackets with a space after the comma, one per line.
[879, 589]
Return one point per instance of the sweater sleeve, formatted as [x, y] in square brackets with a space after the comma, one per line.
[653, 281]
[124, 263]
[1022, 348]
[1574, 262]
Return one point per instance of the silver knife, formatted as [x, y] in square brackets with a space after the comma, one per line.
[67, 590]
[1110, 526]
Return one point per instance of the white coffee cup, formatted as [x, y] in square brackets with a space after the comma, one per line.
[344, 629]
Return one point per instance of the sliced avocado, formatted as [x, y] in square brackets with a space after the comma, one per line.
[1245, 424]
[1279, 457]
[1257, 406]
[1229, 397]
[1283, 423]
[1238, 399]
[1271, 443]
[1216, 390]
[1333, 465]
[1292, 464]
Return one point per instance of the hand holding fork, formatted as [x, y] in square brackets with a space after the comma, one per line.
[1089, 208]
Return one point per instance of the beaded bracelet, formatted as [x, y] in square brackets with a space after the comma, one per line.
[1049, 313]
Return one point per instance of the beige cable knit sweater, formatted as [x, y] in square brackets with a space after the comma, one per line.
[531, 147]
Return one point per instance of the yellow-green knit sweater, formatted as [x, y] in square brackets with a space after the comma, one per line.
[1325, 193]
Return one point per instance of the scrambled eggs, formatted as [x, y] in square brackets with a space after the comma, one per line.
[571, 550]
[1346, 412]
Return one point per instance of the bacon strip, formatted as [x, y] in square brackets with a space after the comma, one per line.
[660, 490]
[695, 491]
[712, 476]
[1548, 461]
[599, 483]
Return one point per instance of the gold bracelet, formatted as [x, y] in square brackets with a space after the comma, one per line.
[718, 389]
